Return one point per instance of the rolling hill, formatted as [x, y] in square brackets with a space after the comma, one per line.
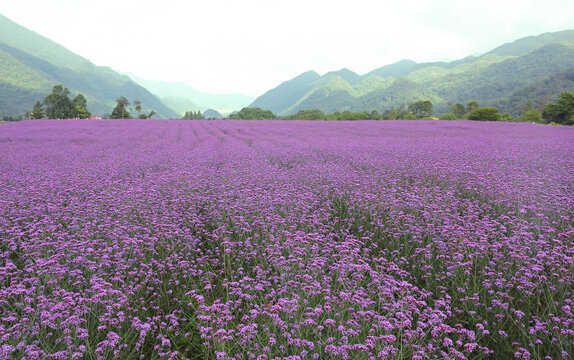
[30, 65]
[501, 77]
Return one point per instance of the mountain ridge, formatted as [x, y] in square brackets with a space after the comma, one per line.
[489, 78]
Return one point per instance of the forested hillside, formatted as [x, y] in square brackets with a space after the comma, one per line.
[505, 77]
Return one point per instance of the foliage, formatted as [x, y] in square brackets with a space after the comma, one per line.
[561, 111]
[532, 116]
[120, 111]
[538, 94]
[254, 113]
[399, 114]
[348, 115]
[507, 117]
[9, 118]
[138, 107]
[81, 107]
[37, 111]
[485, 113]
[471, 106]
[449, 116]
[421, 108]
[458, 110]
[390, 114]
[407, 115]
[192, 115]
[314, 114]
[58, 104]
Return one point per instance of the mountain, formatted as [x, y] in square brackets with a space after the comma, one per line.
[501, 77]
[281, 98]
[30, 65]
[212, 114]
[182, 97]
[395, 70]
[540, 93]
[528, 44]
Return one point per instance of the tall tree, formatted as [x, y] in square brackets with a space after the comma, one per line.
[81, 107]
[472, 106]
[458, 110]
[58, 104]
[120, 111]
[485, 114]
[37, 111]
[561, 111]
[421, 109]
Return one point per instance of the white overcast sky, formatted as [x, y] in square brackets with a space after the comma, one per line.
[250, 46]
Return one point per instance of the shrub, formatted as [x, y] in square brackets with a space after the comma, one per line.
[448, 116]
[485, 113]
[531, 116]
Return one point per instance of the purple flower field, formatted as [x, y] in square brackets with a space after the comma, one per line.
[286, 240]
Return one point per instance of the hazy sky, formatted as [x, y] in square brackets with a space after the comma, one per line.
[250, 46]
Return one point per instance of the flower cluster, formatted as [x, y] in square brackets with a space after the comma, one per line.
[286, 240]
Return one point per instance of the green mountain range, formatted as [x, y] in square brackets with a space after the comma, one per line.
[30, 65]
[531, 70]
[535, 68]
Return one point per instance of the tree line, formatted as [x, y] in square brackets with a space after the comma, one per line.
[59, 105]
[193, 115]
[559, 112]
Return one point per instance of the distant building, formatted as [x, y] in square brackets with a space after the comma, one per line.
[95, 117]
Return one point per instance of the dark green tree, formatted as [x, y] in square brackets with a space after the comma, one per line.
[458, 110]
[561, 111]
[58, 104]
[449, 116]
[390, 114]
[80, 107]
[421, 108]
[507, 117]
[314, 114]
[531, 116]
[348, 115]
[120, 111]
[485, 114]
[37, 111]
[192, 115]
[253, 113]
[471, 106]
